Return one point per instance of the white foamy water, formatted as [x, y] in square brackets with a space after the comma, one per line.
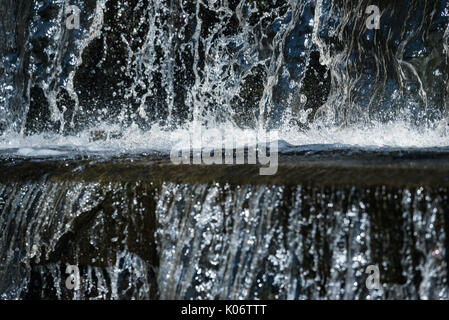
[133, 140]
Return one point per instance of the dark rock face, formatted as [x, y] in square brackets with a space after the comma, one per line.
[13, 61]
[131, 235]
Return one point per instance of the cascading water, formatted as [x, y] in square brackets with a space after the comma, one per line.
[135, 73]
[213, 241]
[297, 66]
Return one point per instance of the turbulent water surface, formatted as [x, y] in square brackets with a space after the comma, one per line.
[311, 69]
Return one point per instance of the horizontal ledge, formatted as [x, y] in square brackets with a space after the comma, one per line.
[292, 170]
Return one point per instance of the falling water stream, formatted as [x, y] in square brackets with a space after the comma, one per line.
[216, 242]
[311, 69]
[136, 73]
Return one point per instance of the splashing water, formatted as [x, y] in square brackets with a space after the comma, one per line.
[311, 69]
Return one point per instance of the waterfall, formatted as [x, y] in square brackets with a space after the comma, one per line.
[211, 241]
[250, 64]
[85, 82]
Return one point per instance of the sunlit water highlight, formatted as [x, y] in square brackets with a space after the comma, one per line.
[134, 140]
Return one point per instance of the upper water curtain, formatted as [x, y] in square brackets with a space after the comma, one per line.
[71, 65]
